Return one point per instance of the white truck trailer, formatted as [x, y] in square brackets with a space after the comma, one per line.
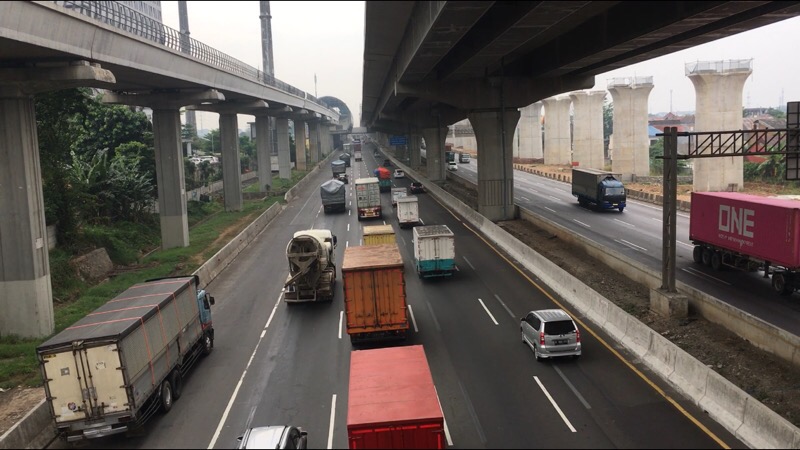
[434, 251]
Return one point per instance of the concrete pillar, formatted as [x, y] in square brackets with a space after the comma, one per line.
[587, 122]
[328, 139]
[300, 144]
[26, 296]
[434, 152]
[313, 142]
[170, 178]
[718, 87]
[284, 155]
[263, 153]
[528, 136]
[557, 145]
[414, 142]
[494, 131]
[231, 166]
[631, 140]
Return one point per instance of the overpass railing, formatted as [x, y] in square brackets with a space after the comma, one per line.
[120, 16]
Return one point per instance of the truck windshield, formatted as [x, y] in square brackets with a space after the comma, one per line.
[614, 191]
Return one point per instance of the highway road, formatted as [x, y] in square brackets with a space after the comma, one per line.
[275, 363]
[637, 233]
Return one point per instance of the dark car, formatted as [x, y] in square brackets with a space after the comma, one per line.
[343, 178]
[273, 437]
[416, 188]
[387, 162]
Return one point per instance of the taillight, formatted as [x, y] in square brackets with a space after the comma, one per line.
[541, 338]
[578, 336]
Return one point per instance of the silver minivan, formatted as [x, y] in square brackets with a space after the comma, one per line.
[551, 333]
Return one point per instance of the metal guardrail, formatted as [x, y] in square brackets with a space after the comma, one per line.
[120, 16]
[727, 66]
[630, 81]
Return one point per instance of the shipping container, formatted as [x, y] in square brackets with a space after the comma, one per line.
[434, 251]
[408, 211]
[748, 232]
[379, 234]
[368, 198]
[374, 293]
[392, 401]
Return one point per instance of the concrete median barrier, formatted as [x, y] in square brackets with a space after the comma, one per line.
[724, 402]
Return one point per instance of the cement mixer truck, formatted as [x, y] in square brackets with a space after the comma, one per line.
[312, 272]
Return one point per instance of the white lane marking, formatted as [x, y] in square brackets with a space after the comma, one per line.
[560, 413]
[446, 430]
[533, 190]
[349, 212]
[657, 220]
[550, 209]
[470, 264]
[301, 209]
[333, 415]
[574, 391]
[413, 321]
[351, 203]
[241, 379]
[625, 223]
[488, 312]
[697, 273]
[685, 244]
[525, 198]
[402, 240]
[433, 316]
[554, 197]
[346, 244]
[384, 222]
[631, 245]
[504, 306]
[578, 221]
[348, 227]
[341, 319]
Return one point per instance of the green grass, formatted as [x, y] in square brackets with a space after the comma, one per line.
[211, 227]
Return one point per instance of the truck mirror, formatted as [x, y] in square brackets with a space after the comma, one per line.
[209, 300]
[334, 241]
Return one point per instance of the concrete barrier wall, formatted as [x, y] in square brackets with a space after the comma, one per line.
[28, 432]
[741, 414]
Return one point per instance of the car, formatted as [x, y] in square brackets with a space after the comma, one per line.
[451, 165]
[416, 188]
[550, 333]
[275, 436]
[398, 173]
[387, 162]
[343, 178]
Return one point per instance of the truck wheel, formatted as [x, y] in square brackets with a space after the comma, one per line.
[707, 256]
[166, 396]
[621, 208]
[177, 384]
[780, 283]
[208, 344]
[697, 254]
[716, 261]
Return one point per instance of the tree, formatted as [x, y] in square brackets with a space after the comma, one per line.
[188, 132]
[109, 126]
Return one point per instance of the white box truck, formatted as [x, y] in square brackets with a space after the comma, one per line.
[368, 198]
[408, 211]
[434, 251]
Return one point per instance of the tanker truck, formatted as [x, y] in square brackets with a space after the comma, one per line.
[312, 272]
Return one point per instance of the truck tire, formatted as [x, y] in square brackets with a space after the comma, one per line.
[716, 261]
[621, 208]
[697, 254]
[707, 256]
[166, 396]
[208, 344]
[176, 379]
[780, 282]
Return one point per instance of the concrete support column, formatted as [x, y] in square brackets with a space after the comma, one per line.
[718, 107]
[327, 139]
[284, 155]
[231, 166]
[494, 131]
[26, 296]
[588, 129]
[631, 141]
[528, 137]
[300, 144]
[170, 178]
[414, 142]
[557, 144]
[434, 152]
[313, 141]
[263, 153]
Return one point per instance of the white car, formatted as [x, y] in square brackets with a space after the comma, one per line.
[398, 173]
[451, 165]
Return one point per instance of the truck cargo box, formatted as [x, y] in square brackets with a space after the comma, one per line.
[598, 188]
[374, 292]
[398, 192]
[379, 234]
[392, 401]
[368, 198]
[764, 228]
[434, 251]
[333, 196]
[408, 211]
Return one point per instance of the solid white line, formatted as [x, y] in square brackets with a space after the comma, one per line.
[413, 321]
[504, 306]
[587, 226]
[632, 245]
[697, 273]
[446, 430]
[685, 244]
[625, 223]
[550, 209]
[341, 319]
[574, 390]
[487, 312]
[348, 227]
[333, 415]
[554, 404]
[470, 264]
[241, 379]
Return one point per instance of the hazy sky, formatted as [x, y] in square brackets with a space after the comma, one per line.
[327, 38]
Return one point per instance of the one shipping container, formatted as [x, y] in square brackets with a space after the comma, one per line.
[748, 232]
[379, 234]
[434, 251]
[408, 211]
[392, 401]
[368, 198]
[374, 293]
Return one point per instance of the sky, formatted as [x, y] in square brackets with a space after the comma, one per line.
[327, 39]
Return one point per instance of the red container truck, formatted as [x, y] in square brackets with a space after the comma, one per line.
[748, 232]
[392, 401]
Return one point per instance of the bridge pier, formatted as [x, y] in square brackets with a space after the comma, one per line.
[556, 131]
[170, 178]
[263, 152]
[434, 152]
[494, 131]
[231, 167]
[528, 137]
[631, 141]
[284, 153]
[300, 144]
[313, 141]
[588, 129]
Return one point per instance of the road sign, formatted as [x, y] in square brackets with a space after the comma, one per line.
[398, 140]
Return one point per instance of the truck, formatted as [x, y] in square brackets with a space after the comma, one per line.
[312, 273]
[398, 192]
[357, 150]
[338, 167]
[374, 293]
[748, 232]
[114, 369]
[345, 158]
[368, 198]
[434, 251]
[392, 401]
[408, 211]
[450, 156]
[333, 193]
[384, 176]
[598, 188]
[379, 234]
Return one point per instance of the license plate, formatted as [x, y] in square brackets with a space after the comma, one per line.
[560, 341]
